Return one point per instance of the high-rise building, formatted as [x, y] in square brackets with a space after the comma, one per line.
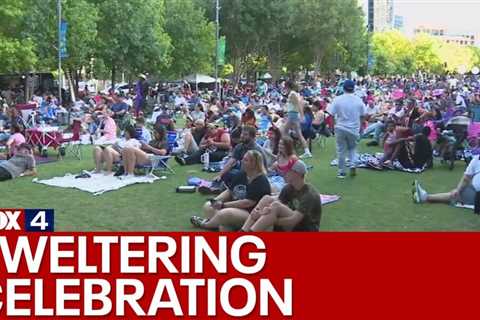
[465, 39]
[379, 15]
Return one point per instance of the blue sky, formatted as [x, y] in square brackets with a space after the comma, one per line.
[456, 15]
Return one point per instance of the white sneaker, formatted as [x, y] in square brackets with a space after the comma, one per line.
[306, 155]
[419, 194]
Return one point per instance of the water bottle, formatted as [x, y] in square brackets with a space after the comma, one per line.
[205, 159]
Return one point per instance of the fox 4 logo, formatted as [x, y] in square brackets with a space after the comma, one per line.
[29, 220]
[10, 219]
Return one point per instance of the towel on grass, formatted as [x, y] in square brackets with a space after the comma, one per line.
[97, 184]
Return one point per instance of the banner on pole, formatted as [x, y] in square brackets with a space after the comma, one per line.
[221, 51]
[63, 39]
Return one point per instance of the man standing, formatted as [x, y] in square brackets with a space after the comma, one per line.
[349, 111]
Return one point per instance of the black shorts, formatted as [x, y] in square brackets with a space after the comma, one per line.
[4, 174]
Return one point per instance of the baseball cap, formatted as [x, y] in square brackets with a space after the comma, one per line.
[299, 167]
[349, 85]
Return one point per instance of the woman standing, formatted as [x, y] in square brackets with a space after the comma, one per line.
[294, 118]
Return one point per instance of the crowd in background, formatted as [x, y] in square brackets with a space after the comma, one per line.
[254, 130]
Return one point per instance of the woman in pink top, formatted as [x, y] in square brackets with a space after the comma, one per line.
[109, 130]
[15, 140]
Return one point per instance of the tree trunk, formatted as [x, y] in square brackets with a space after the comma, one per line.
[318, 62]
[114, 70]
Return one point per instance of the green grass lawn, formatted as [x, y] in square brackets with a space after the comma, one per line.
[373, 201]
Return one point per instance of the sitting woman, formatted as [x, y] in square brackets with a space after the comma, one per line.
[107, 130]
[285, 159]
[144, 155]
[416, 152]
[216, 142]
[107, 155]
[15, 140]
[231, 208]
[21, 164]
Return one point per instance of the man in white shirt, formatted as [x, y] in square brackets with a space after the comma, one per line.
[349, 111]
[464, 193]
[180, 100]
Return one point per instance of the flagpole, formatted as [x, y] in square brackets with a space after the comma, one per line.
[59, 6]
[217, 35]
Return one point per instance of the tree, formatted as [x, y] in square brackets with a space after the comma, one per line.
[192, 38]
[131, 36]
[16, 53]
[426, 54]
[393, 53]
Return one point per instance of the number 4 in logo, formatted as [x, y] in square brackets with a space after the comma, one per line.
[39, 220]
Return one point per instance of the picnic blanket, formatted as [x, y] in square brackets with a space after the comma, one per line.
[370, 161]
[97, 184]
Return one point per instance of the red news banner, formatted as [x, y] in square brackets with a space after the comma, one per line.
[211, 275]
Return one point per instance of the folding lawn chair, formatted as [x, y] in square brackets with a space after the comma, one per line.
[72, 144]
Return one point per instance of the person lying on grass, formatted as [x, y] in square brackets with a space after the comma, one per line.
[464, 193]
[21, 164]
[297, 208]
[105, 156]
[230, 209]
[144, 155]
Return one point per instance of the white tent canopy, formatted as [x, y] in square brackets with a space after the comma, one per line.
[199, 78]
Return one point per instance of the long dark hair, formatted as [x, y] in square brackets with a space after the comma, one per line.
[277, 135]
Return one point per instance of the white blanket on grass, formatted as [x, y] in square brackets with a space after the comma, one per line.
[97, 184]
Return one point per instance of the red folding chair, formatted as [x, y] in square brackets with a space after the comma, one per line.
[72, 143]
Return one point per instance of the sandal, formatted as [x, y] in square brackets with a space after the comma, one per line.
[198, 221]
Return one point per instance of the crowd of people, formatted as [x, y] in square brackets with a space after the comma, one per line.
[253, 131]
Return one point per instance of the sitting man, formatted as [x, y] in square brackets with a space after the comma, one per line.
[465, 192]
[144, 155]
[21, 164]
[298, 207]
[247, 143]
[193, 138]
[119, 108]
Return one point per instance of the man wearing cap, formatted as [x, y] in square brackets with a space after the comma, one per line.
[349, 111]
[298, 207]
[21, 164]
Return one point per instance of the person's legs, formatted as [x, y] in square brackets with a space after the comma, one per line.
[265, 202]
[208, 210]
[267, 222]
[420, 195]
[227, 219]
[370, 129]
[379, 129]
[341, 151]
[110, 157]
[352, 141]
[298, 132]
[4, 174]
[133, 156]
[99, 159]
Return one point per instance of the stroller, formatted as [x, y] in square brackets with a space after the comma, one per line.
[453, 142]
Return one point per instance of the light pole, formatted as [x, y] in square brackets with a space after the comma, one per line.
[217, 36]
[59, 8]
